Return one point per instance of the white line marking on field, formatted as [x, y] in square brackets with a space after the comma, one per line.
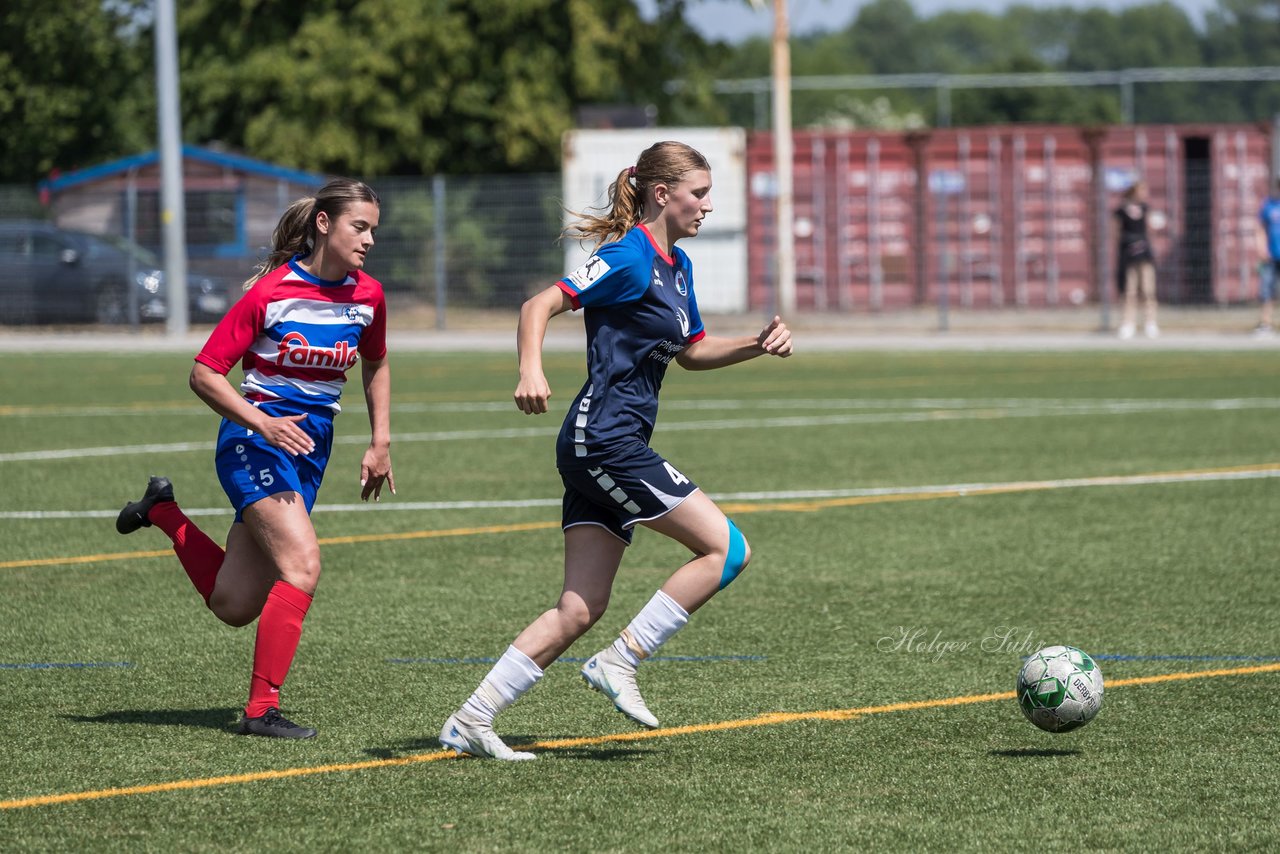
[935, 410]
[791, 495]
[1119, 404]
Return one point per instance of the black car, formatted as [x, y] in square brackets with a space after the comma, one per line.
[55, 275]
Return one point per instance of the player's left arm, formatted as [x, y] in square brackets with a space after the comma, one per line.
[715, 352]
[375, 467]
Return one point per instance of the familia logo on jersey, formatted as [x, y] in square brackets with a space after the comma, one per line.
[294, 349]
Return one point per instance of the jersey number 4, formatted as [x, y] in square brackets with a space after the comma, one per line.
[676, 477]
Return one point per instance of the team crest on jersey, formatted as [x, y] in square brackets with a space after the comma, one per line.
[682, 287]
[589, 273]
[684, 321]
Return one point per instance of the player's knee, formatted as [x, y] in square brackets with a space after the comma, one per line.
[737, 556]
[578, 615]
[232, 609]
[302, 571]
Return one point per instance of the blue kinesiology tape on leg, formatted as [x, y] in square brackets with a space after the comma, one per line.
[736, 558]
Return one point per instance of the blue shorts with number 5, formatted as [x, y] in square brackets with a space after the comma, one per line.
[250, 468]
[627, 489]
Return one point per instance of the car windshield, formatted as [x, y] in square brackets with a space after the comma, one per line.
[102, 243]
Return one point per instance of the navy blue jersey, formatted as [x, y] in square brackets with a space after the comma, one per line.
[640, 312]
[1270, 217]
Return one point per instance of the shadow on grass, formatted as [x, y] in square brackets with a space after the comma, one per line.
[515, 742]
[223, 718]
[1024, 752]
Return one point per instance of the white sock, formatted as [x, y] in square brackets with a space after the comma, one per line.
[651, 628]
[514, 674]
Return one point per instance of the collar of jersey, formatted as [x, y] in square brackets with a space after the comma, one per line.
[664, 256]
[315, 280]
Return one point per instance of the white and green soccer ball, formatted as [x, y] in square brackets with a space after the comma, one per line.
[1060, 688]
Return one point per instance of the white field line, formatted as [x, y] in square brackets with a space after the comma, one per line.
[195, 409]
[791, 495]
[934, 411]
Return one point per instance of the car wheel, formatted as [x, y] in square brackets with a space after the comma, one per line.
[110, 305]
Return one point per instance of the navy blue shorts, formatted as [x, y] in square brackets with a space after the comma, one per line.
[250, 468]
[622, 492]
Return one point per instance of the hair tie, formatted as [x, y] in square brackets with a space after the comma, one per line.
[631, 171]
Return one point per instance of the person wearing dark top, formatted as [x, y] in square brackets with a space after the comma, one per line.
[1136, 266]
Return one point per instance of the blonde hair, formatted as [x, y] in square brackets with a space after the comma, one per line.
[295, 233]
[661, 163]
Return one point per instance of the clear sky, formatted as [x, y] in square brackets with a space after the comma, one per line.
[734, 20]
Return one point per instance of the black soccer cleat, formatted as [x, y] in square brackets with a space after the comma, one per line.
[275, 725]
[134, 515]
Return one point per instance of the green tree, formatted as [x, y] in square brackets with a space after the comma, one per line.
[885, 37]
[74, 86]
[1245, 32]
[380, 87]
[1040, 104]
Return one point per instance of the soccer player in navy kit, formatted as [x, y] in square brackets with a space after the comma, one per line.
[309, 314]
[1269, 256]
[637, 291]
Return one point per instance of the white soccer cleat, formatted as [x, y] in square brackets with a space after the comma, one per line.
[1126, 331]
[611, 675]
[1151, 330]
[478, 739]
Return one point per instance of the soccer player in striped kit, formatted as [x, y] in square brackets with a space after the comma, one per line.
[308, 316]
[637, 290]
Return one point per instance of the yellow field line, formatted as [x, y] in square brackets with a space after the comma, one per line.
[805, 506]
[770, 719]
[325, 541]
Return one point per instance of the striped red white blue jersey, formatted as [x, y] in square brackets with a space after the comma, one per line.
[296, 336]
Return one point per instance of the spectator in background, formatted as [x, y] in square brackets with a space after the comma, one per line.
[1269, 256]
[1136, 266]
[308, 315]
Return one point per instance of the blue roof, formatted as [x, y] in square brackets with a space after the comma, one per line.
[237, 162]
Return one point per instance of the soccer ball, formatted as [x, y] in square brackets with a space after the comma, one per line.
[1060, 688]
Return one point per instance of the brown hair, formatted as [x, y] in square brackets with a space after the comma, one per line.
[1132, 191]
[660, 163]
[295, 233]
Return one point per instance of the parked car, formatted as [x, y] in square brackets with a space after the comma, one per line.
[55, 275]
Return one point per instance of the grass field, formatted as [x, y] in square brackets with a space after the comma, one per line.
[919, 523]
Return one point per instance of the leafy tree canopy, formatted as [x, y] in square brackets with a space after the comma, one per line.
[73, 86]
[410, 87]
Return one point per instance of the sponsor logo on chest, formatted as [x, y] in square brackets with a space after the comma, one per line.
[295, 350]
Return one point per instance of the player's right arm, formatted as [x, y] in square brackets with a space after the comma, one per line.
[220, 396]
[227, 345]
[532, 392]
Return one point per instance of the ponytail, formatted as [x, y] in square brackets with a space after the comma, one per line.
[660, 163]
[622, 214]
[294, 235]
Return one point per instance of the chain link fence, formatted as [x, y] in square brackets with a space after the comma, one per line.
[473, 242]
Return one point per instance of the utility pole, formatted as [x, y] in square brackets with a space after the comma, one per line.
[172, 204]
[785, 281]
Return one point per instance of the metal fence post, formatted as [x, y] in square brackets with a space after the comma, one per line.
[442, 267]
[1093, 138]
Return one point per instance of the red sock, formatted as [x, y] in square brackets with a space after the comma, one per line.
[200, 556]
[279, 629]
